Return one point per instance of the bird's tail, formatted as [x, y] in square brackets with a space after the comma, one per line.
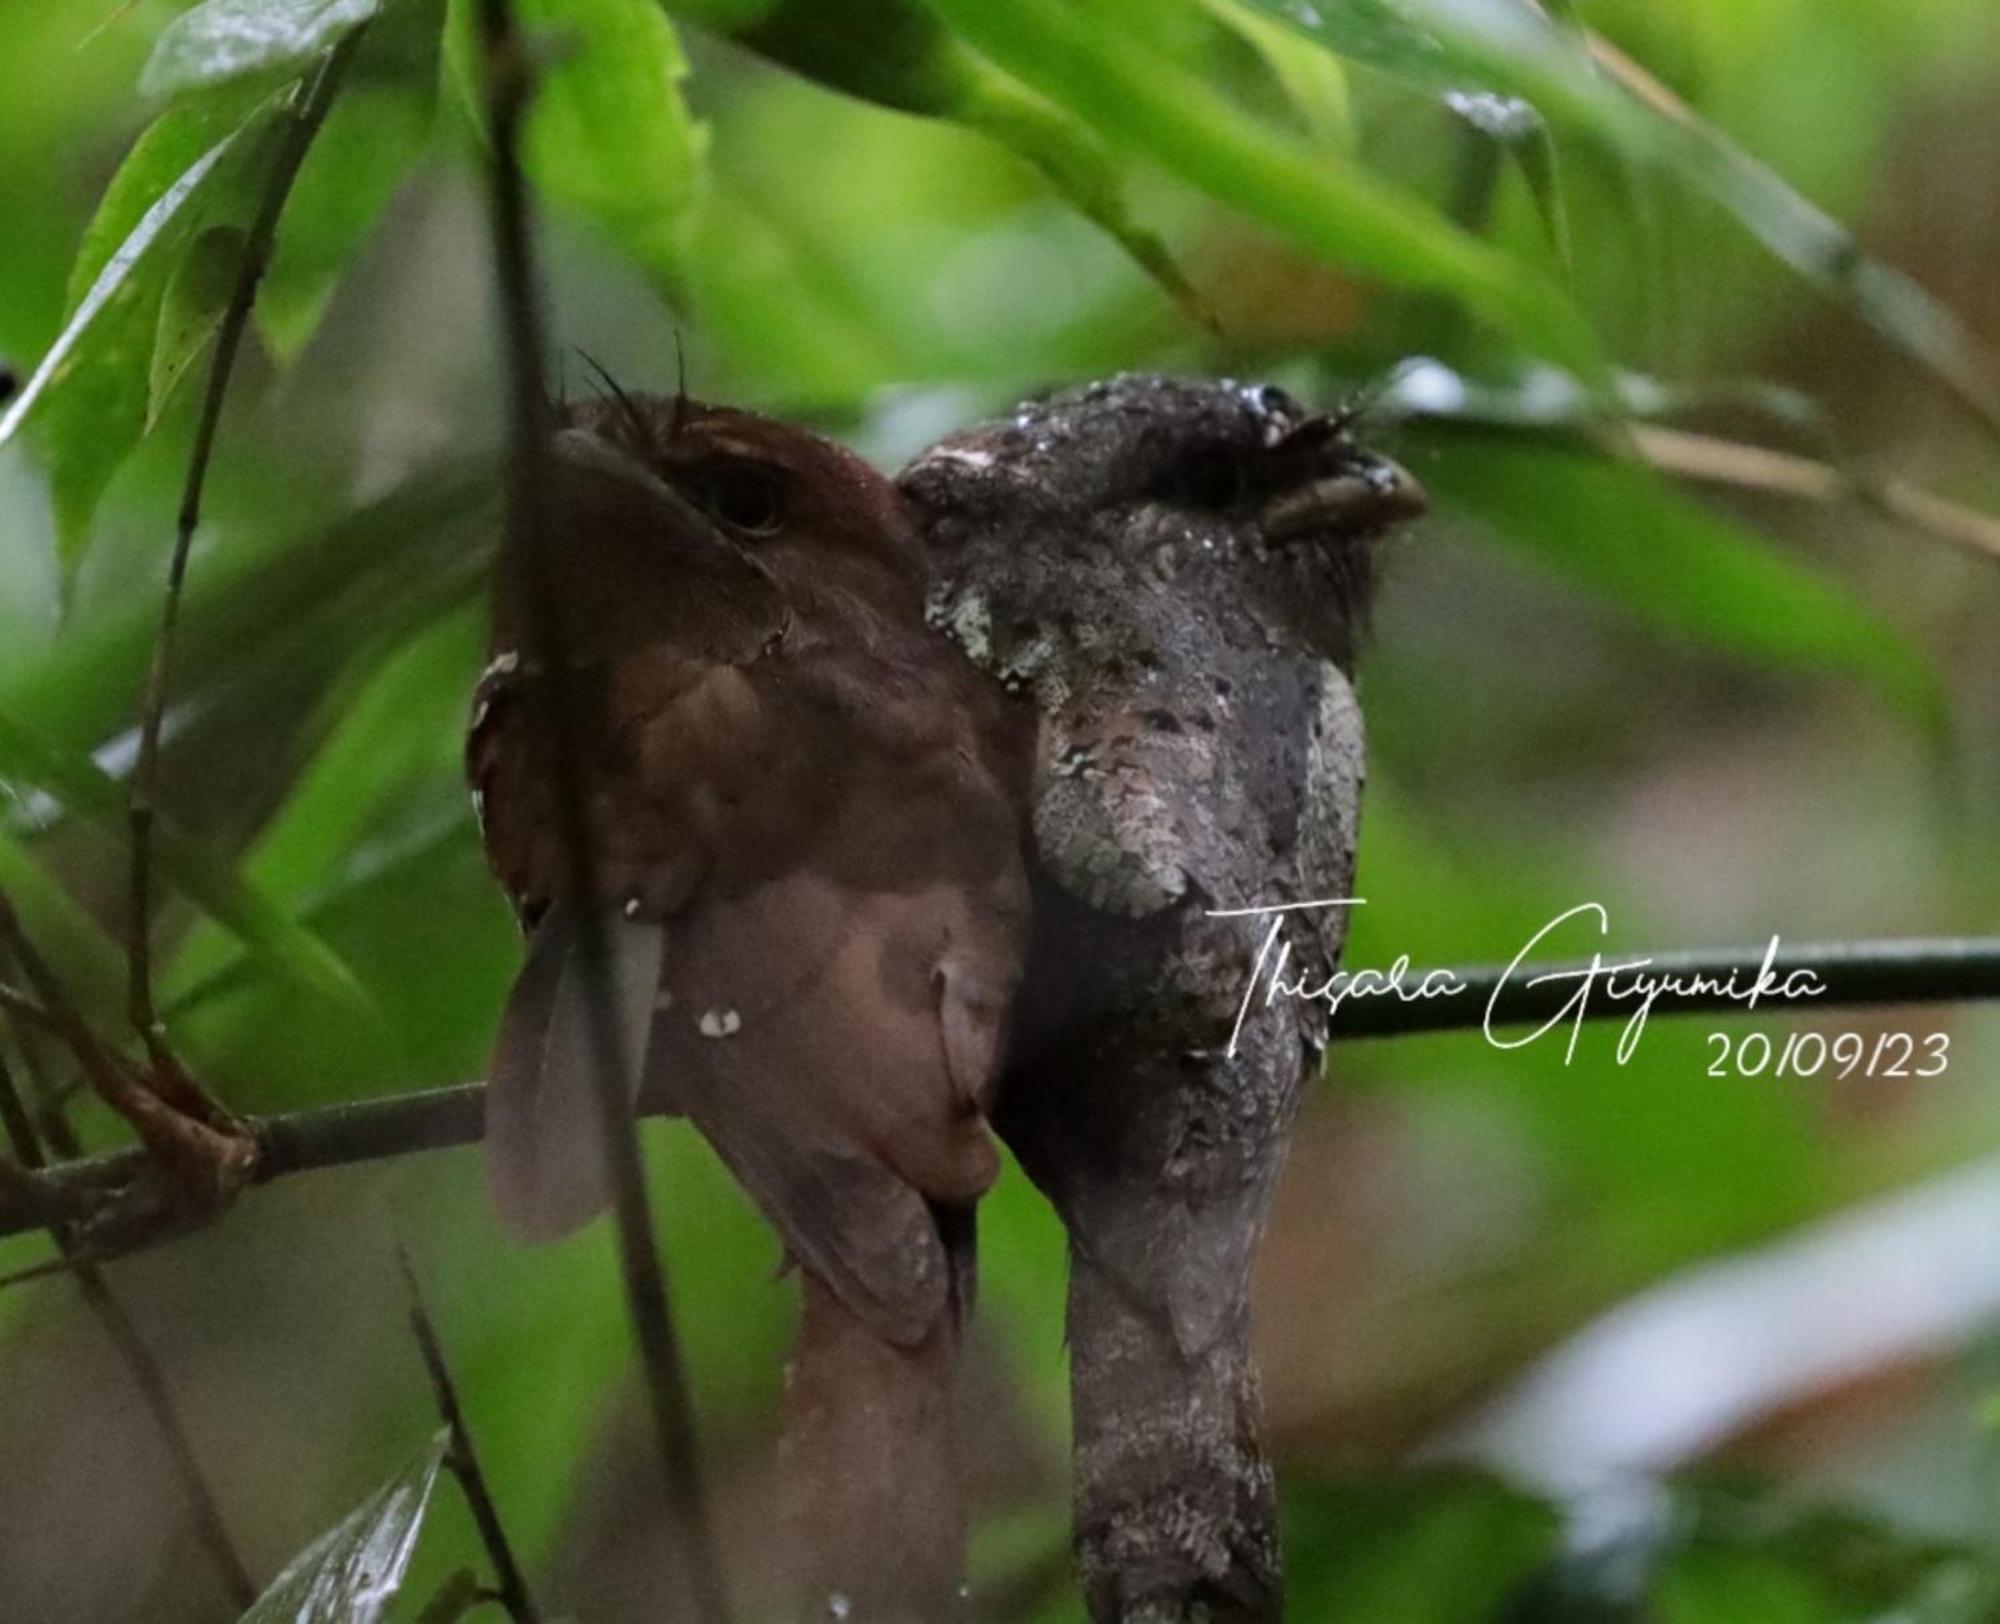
[875, 1510]
[1174, 1498]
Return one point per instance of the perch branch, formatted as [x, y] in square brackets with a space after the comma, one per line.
[1856, 975]
[1852, 974]
[509, 86]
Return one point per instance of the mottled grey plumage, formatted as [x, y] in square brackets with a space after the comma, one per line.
[1178, 573]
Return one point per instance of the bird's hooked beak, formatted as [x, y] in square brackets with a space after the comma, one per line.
[1328, 488]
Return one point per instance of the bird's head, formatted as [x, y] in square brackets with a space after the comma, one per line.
[671, 513]
[1217, 474]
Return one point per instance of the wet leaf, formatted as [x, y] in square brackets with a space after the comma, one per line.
[223, 40]
[87, 400]
[372, 142]
[1507, 45]
[1521, 132]
[352, 1572]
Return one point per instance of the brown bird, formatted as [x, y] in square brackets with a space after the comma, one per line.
[1177, 574]
[806, 810]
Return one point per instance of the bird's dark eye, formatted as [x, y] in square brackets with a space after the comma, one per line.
[746, 496]
[1211, 478]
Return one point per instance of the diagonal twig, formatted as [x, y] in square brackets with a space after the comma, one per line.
[308, 112]
[509, 86]
[1754, 467]
[147, 1375]
[17, 1005]
[107, 1072]
[510, 1588]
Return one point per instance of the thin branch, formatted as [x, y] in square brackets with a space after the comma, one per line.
[50, 1099]
[147, 1375]
[16, 1004]
[1755, 467]
[510, 1589]
[1855, 975]
[151, 1380]
[154, 1120]
[308, 112]
[509, 88]
[1851, 975]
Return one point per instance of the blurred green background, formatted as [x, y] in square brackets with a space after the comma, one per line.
[1543, 1340]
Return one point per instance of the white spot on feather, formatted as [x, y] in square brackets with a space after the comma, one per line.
[965, 456]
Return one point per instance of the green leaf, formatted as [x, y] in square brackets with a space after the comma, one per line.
[1150, 104]
[895, 54]
[1522, 133]
[608, 133]
[374, 574]
[405, 721]
[223, 40]
[1619, 530]
[459, 1595]
[191, 309]
[28, 765]
[89, 398]
[82, 951]
[351, 1573]
[1736, 1587]
[1435, 1547]
[280, 632]
[1507, 46]
[1314, 80]
[375, 137]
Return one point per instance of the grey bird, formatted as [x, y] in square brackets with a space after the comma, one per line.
[1178, 573]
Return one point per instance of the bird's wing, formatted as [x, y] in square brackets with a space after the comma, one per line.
[654, 837]
[1328, 826]
[1117, 789]
[838, 1047]
[545, 1164]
